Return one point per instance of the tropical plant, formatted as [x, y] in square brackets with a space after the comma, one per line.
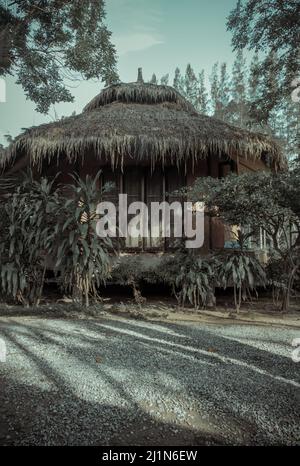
[41, 228]
[259, 200]
[241, 271]
[82, 260]
[191, 278]
[277, 279]
[28, 221]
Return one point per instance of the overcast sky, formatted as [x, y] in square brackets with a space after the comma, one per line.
[157, 35]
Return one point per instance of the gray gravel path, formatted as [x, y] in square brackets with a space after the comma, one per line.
[116, 381]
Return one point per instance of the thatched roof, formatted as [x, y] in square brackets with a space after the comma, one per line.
[140, 121]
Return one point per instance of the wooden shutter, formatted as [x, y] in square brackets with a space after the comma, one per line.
[154, 192]
[175, 179]
[133, 187]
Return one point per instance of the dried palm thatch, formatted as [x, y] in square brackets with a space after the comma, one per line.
[140, 121]
[139, 93]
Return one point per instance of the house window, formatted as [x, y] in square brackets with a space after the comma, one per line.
[141, 185]
[154, 192]
[258, 240]
[133, 186]
[174, 181]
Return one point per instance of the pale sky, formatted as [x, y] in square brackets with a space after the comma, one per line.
[157, 35]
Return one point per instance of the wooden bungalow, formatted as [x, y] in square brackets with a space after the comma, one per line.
[149, 141]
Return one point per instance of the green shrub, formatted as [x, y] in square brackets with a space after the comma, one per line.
[26, 231]
[82, 259]
[242, 271]
[191, 278]
[279, 278]
[130, 271]
[41, 226]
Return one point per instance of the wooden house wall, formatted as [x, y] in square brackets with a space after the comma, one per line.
[137, 183]
[246, 165]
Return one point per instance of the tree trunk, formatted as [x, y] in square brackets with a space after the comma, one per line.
[286, 298]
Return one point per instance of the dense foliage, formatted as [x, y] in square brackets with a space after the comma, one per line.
[267, 26]
[46, 227]
[191, 278]
[81, 257]
[46, 43]
[261, 93]
[27, 230]
[42, 228]
[265, 201]
[241, 271]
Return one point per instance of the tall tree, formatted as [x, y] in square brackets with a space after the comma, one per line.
[191, 85]
[264, 25]
[253, 94]
[178, 81]
[153, 79]
[164, 80]
[215, 90]
[279, 117]
[224, 93]
[291, 112]
[254, 78]
[202, 97]
[220, 92]
[192, 88]
[270, 88]
[239, 109]
[43, 43]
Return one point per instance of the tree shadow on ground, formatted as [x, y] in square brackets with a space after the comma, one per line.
[30, 416]
[238, 385]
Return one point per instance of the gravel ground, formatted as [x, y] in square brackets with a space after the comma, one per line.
[117, 381]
